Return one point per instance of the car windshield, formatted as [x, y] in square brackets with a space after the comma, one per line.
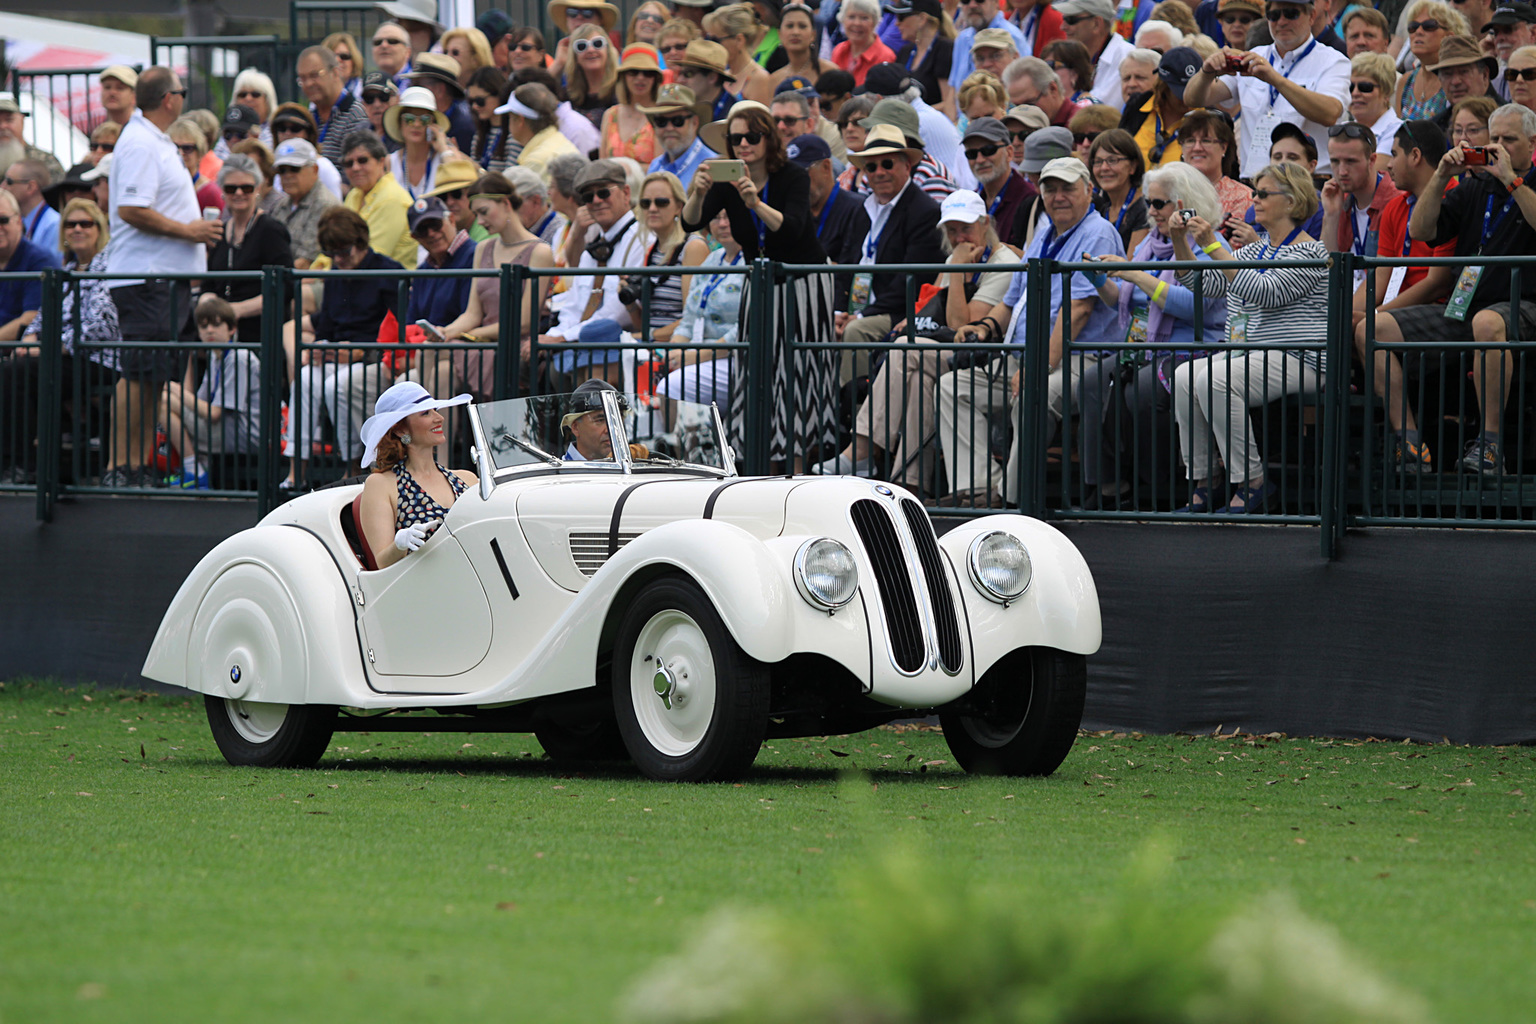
[559, 430]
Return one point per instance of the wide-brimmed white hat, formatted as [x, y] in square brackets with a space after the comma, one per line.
[396, 403]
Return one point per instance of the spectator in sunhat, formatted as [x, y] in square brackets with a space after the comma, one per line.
[939, 136]
[676, 119]
[439, 75]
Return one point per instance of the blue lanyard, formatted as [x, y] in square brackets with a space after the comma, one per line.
[42, 208]
[1027, 30]
[1130, 197]
[426, 178]
[545, 223]
[716, 282]
[1357, 243]
[1274, 90]
[1488, 229]
[762, 229]
[992, 210]
[826, 208]
[1264, 252]
[986, 256]
[872, 242]
[491, 142]
[1052, 250]
[1160, 141]
[1407, 237]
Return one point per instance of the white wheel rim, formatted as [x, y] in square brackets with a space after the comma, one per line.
[671, 646]
[254, 721]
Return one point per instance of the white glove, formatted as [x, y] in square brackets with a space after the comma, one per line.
[413, 537]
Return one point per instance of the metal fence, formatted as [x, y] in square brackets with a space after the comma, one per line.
[60, 102]
[209, 65]
[971, 426]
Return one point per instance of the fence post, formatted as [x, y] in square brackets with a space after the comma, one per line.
[509, 350]
[759, 375]
[50, 394]
[1335, 405]
[269, 450]
[1029, 424]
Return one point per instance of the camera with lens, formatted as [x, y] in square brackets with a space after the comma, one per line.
[632, 288]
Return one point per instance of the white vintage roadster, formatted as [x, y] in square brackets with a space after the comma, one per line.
[658, 607]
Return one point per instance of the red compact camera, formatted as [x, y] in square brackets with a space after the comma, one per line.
[1475, 156]
[1234, 65]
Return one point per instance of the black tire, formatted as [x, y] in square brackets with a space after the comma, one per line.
[711, 724]
[595, 740]
[270, 735]
[1024, 715]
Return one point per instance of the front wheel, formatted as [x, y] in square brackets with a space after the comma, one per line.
[691, 705]
[1024, 715]
[270, 735]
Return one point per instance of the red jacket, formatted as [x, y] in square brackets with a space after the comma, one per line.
[1385, 193]
[1047, 28]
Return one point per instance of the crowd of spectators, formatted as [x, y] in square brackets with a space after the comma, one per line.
[702, 135]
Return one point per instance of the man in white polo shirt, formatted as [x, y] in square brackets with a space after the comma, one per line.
[1295, 79]
[156, 228]
[1092, 23]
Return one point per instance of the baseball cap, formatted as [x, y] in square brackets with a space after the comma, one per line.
[962, 206]
[295, 153]
[1046, 145]
[988, 39]
[902, 8]
[1027, 115]
[989, 128]
[886, 80]
[378, 81]
[427, 208]
[805, 150]
[122, 72]
[1094, 8]
[494, 23]
[796, 83]
[1066, 168]
[1515, 13]
[241, 117]
[1178, 66]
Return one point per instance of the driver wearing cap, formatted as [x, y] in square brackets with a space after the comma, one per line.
[586, 423]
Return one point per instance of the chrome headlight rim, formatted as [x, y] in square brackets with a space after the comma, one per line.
[811, 597]
[973, 567]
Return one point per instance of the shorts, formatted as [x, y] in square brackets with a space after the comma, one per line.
[1424, 324]
[144, 314]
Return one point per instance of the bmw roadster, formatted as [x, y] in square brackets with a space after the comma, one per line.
[653, 605]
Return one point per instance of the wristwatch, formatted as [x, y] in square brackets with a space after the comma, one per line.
[1515, 183]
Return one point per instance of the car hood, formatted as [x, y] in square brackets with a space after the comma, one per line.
[574, 525]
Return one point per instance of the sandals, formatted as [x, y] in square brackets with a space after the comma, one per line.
[1199, 501]
[1254, 500]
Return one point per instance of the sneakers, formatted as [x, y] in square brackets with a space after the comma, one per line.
[187, 482]
[131, 476]
[1410, 458]
[1483, 457]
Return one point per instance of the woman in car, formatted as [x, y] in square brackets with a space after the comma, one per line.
[409, 492]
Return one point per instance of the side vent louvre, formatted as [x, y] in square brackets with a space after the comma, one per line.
[945, 619]
[903, 624]
[589, 548]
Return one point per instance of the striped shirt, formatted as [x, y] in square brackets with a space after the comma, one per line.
[1283, 304]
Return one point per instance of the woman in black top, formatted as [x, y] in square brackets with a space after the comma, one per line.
[250, 241]
[929, 48]
[769, 210]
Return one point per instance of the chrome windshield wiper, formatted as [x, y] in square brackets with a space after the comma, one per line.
[530, 449]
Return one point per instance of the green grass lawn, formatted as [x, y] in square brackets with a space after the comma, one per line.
[430, 876]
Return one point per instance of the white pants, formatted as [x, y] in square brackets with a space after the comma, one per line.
[967, 397]
[346, 390]
[1213, 395]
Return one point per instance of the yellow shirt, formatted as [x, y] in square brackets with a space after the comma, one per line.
[543, 148]
[1146, 138]
[384, 208]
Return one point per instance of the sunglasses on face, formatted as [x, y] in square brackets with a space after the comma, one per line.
[1238, 19]
[357, 161]
[786, 119]
[186, 149]
[526, 47]
[289, 128]
[660, 203]
[982, 151]
[1428, 25]
[236, 135]
[452, 195]
[1158, 204]
[335, 255]
[885, 165]
[389, 42]
[1075, 19]
[375, 97]
[5, 219]
[101, 147]
[1078, 138]
[750, 138]
[416, 119]
[1288, 13]
[1362, 87]
[583, 45]
[235, 190]
[670, 122]
[478, 101]
[603, 194]
[430, 227]
[179, 92]
[1021, 136]
[1265, 193]
[248, 94]
[580, 15]
[83, 225]
[674, 48]
[1520, 74]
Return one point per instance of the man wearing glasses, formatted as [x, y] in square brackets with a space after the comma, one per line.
[972, 16]
[1092, 23]
[1294, 79]
[337, 112]
[116, 86]
[392, 53]
[1511, 27]
[302, 200]
[675, 119]
[156, 223]
[613, 239]
[26, 179]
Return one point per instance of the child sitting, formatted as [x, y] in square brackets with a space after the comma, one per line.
[220, 413]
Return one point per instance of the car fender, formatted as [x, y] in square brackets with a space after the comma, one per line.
[265, 616]
[1060, 609]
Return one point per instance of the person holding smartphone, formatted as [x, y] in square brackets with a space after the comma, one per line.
[768, 199]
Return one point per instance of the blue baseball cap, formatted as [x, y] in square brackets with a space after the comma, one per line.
[805, 150]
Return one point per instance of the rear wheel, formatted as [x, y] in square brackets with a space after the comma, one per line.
[691, 705]
[1024, 715]
[270, 735]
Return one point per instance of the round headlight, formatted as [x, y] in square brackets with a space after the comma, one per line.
[1000, 566]
[826, 573]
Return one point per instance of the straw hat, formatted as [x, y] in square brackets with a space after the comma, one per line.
[702, 53]
[676, 99]
[883, 140]
[437, 67]
[455, 174]
[640, 57]
[714, 133]
[414, 98]
[557, 11]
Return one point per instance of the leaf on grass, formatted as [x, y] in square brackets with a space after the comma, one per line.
[506, 905]
[949, 787]
[1299, 841]
[1513, 792]
[839, 753]
[1384, 874]
[1416, 785]
[83, 793]
[142, 755]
